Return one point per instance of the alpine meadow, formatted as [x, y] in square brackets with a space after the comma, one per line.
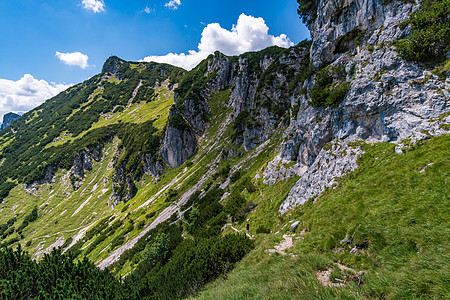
[319, 170]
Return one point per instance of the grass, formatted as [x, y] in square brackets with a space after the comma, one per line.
[136, 113]
[393, 207]
[61, 211]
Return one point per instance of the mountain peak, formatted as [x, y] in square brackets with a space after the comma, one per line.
[112, 64]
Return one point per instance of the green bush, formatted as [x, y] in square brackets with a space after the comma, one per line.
[327, 91]
[307, 9]
[5, 187]
[177, 121]
[234, 203]
[430, 35]
[171, 195]
[56, 276]
[99, 227]
[193, 264]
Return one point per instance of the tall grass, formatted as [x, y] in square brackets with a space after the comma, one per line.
[395, 210]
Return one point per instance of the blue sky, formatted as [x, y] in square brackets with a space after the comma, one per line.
[48, 44]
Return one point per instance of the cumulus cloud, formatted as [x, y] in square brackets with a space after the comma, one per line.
[96, 6]
[173, 4]
[73, 59]
[26, 93]
[249, 34]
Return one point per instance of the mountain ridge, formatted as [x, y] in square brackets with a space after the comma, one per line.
[141, 164]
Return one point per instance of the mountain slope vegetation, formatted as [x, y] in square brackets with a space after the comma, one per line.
[142, 180]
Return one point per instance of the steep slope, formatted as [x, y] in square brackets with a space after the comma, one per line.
[141, 167]
[64, 156]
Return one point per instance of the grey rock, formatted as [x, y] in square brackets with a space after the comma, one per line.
[398, 149]
[177, 145]
[281, 169]
[331, 163]
[389, 99]
[83, 160]
[339, 23]
[346, 240]
[8, 119]
[153, 166]
[295, 224]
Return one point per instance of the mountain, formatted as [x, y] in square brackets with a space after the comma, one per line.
[8, 119]
[334, 152]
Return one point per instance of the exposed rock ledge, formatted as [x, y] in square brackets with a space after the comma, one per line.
[334, 161]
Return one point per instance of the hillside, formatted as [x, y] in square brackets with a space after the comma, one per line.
[335, 151]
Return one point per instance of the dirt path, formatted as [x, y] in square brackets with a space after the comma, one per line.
[324, 276]
[285, 244]
[237, 230]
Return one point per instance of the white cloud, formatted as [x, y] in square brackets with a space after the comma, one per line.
[26, 93]
[73, 59]
[173, 4]
[249, 34]
[97, 6]
[149, 10]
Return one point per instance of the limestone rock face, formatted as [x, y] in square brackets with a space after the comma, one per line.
[389, 98]
[83, 162]
[340, 22]
[336, 161]
[178, 144]
[8, 119]
[152, 166]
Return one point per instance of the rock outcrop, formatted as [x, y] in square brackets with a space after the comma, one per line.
[333, 161]
[180, 141]
[389, 99]
[340, 26]
[83, 162]
[8, 119]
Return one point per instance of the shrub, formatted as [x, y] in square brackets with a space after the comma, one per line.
[193, 264]
[324, 92]
[235, 177]
[150, 215]
[5, 188]
[177, 121]
[99, 227]
[140, 225]
[171, 195]
[307, 9]
[233, 203]
[430, 35]
[55, 276]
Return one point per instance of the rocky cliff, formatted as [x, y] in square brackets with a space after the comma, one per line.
[342, 26]
[383, 98]
[8, 119]
[389, 99]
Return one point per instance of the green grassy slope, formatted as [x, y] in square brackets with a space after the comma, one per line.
[395, 210]
[393, 207]
[63, 211]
